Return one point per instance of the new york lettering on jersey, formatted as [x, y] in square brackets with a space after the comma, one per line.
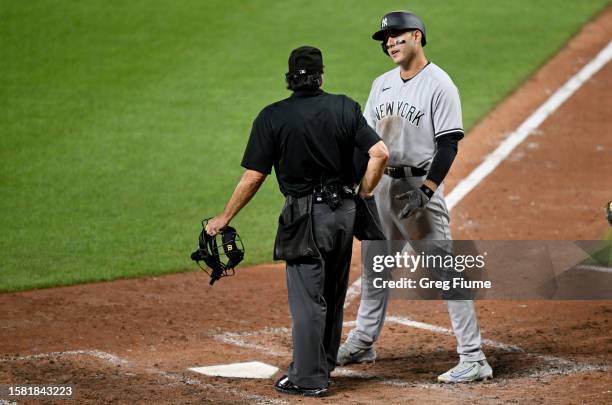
[400, 108]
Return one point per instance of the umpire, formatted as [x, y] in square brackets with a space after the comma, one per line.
[310, 139]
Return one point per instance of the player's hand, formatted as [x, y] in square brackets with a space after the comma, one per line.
[216, 225]
[415, 200]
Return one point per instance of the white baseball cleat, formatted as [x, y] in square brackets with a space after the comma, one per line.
[467, 371]
[348, 354]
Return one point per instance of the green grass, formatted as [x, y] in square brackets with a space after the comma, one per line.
[123, 123]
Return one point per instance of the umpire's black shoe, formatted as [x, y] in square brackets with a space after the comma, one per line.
[287, 387]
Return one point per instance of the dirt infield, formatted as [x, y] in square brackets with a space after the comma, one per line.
[132, 341]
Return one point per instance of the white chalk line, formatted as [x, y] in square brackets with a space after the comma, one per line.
[565, 367]
[599, 269]
[445, 331]
[174, 377]
[109, 358]
[244, 340]
[457, 392]
[560, 366]
[530, 125]
[241, 342]
[557, 367]
[563, 364]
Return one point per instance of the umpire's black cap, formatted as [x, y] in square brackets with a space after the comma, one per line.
[307, 59]
[400, 21]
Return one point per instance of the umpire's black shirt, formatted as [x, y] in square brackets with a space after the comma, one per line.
[309, 138]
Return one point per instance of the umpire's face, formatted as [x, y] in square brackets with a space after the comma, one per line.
[402, 47]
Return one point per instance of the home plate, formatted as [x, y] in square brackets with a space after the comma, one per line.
[251, 369]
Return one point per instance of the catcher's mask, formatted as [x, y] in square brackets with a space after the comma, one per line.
[221, 252]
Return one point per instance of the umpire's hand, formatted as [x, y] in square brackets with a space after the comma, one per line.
[216, 225]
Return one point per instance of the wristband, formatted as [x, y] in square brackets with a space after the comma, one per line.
[427, 191]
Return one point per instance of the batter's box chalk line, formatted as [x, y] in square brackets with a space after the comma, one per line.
[599, 269]
[129, 368]
[245, 340]
[558, 366]
[449, 332]
[107, 357]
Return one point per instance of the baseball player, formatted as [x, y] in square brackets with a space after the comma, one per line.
[415, 108]
[310, 139]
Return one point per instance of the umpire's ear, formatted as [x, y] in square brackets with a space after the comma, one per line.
[360, 164]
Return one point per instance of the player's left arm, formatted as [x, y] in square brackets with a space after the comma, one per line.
[446, 151]
[448, 130]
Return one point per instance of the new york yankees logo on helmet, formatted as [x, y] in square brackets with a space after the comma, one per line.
[399, 21]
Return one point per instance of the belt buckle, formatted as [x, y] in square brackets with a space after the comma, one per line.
[395, 172]
[318, 196]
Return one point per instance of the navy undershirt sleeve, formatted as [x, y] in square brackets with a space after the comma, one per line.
[446, 150]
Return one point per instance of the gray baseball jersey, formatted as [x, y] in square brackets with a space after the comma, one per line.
[410, 115]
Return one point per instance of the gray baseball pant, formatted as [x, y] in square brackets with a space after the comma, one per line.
[429, 224]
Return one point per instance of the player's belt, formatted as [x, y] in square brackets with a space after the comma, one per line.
[404, 171]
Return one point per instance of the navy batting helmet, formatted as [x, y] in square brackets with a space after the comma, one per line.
[400, 21]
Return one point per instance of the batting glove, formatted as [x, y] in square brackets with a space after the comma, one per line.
[415, 200]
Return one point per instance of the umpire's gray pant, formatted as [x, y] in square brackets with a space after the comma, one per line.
[429, 224]
[317, 289]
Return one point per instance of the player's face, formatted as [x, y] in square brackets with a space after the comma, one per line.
[401, 46]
